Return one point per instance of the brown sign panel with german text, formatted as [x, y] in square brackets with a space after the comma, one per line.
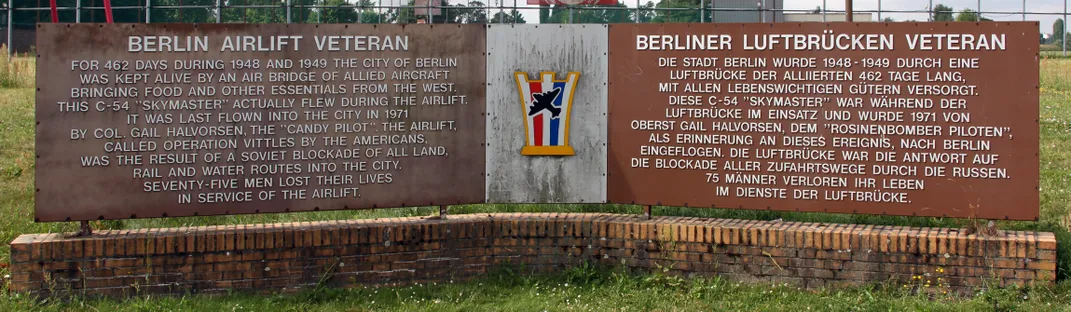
[159, 120]
[913, 119]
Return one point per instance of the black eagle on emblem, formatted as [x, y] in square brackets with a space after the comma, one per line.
[545, 100]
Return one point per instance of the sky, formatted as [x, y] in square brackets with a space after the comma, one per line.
[1007, 10]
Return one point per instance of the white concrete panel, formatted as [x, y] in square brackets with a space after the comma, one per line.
[516, 178]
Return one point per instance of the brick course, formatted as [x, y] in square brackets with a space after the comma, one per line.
[297, 255]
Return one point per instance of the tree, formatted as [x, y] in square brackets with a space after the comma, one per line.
[513, 17]
[450, 14]
[368, 14]
[26, 19]
[341, 13]
[591, 14]
[268, 15]
[817, 10]
[200, 15]
[1057, 29]
[647, 12]
[888, 20]
[677, 11]
[968, 15]
[942, 13]
[473, 13]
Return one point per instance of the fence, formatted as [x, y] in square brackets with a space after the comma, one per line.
[20, 16]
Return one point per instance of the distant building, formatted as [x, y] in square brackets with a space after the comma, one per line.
[830, 17]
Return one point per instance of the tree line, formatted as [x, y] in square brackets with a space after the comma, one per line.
[366, 11]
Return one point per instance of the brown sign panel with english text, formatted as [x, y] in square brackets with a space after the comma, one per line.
[164, 120]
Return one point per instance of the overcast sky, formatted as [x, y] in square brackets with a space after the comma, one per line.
[1008, 9]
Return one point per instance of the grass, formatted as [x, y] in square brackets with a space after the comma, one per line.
[15, 73]
[581, 289]
[588, 288]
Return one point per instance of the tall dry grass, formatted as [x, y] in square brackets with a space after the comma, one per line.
[16, 72]
[1055, 74]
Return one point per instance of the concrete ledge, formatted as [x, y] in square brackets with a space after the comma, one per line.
[291, 256]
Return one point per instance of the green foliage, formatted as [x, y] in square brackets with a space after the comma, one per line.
[1057, 29]
[512, 17]
[586, 288]
[647, 12]
[677, 11]
[342, 12]
[968, 15]
[942, 13]
[187, 15]
[262, 15]
[598, 14]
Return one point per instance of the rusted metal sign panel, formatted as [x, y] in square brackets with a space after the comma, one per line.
[546, 114]
[157, 120]
[926, 119]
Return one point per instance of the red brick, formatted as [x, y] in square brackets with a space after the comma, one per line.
[1042, 265]
[462, 246]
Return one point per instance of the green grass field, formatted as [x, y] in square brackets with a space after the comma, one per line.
[577, 289]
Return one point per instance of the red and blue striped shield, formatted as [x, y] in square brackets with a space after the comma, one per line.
[547, 104]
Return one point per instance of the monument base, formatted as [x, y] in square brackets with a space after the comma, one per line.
[291, 256]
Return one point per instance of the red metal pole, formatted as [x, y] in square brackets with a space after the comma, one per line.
[848, 14]
[55, 11]
[108, 10]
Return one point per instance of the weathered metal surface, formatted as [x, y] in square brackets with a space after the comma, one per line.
[844, 163]
[532, 49]
[430, 153]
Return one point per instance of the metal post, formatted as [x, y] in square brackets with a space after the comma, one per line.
[761, 18]
[428, 14]
[442, 211]
[824, 11]
[702, 12]
[1063, 36]
[647, 212]
[848, 12]
[570, 14]
[288, 5]
[513, 19]
[1024, 10]
[148, 11]
[979, 11]
[879, 11]
[931, 10]
[219, 11]
[78, 11]
[11, 12]
[86, 230]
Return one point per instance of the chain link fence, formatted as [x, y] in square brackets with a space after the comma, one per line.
[21, 16]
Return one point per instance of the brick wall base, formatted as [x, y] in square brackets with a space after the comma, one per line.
[293, 256]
